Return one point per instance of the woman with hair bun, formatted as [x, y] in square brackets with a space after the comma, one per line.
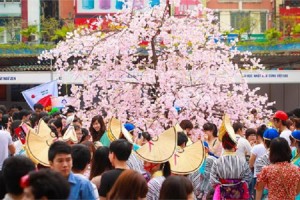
[230, 175]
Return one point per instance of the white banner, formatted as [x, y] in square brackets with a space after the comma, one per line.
[255, 77]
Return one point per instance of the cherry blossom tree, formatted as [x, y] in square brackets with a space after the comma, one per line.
[155, 70]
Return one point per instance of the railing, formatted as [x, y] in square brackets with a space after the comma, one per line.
[271, 48]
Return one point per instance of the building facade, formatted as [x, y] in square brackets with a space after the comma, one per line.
[257, 15]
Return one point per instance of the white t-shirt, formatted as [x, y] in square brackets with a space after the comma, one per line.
[5, 141]
[286, 135]
[258, 150]
[243, 147]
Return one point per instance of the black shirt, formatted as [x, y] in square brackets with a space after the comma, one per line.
[107, 181]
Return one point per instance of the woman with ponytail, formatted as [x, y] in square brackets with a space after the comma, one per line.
[156, 154]
[159, 172]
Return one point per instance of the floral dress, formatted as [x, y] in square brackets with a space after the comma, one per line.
[296, 161]
[281, 180]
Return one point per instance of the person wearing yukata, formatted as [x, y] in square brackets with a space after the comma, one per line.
[230, 174]
[156, 154]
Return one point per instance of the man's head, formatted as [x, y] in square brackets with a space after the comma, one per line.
[24, 115]
[14, 168]
[119, 150]
[70, 111]
[187, 126]
[38, 108]
[81, 157]
[45, 184]
[60, 158]
[279, 119]
[238, 128]
[14, 108]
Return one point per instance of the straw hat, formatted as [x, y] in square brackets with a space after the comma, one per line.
[160, 148]
[70, 135]
[179, 129]
[227, 128]
[116, 129]
[37, 143]
[187, 160]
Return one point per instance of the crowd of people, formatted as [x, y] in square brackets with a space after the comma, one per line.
[116, 161]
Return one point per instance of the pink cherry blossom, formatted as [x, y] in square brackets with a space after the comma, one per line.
[150, 63]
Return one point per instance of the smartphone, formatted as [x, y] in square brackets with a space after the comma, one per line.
[140, 135]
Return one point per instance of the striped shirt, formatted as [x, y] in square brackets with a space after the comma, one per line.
[135, 163]
[154, 186]
[230, 166]
[205, 186]
[262, 162]
[195, 180]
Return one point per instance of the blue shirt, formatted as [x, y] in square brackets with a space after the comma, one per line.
[81, 188]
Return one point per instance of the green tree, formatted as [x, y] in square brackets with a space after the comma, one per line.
[246, 25]
[296, 29]
[29, 32]
[61, 33]
[272, 34]
[48, 28]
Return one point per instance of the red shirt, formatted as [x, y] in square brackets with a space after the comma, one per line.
[281, 180]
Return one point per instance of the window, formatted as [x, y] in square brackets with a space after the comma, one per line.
[65, 90]
[263, 22]
[217, 20]
[239, 20]
[12, 30]
[2, 35]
